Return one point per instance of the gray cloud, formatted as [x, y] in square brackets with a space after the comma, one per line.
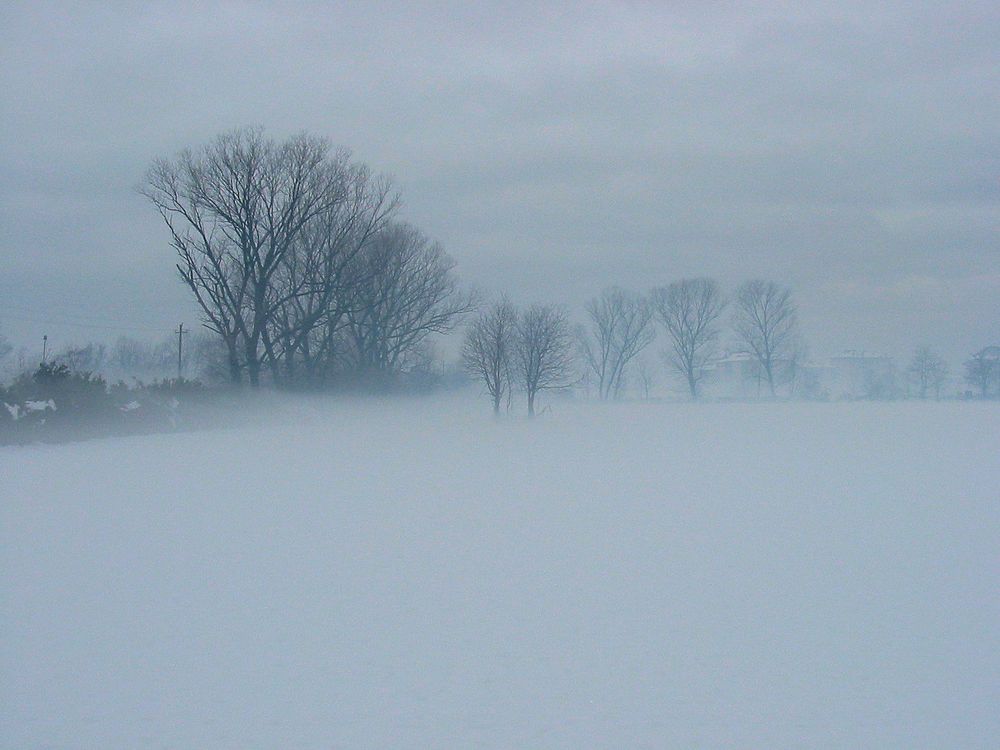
[852, 152]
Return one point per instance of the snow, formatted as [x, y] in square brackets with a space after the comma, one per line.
[414, 574]
[30, 406]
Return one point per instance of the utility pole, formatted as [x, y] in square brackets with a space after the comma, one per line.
[45, 346]
[180, 348]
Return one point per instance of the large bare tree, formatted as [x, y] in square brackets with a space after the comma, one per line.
[620, 328]
[234, 209]
[689, 310]
[311, 289]
[489, 348]
[765, 321]
[544, 351]
[402, 289]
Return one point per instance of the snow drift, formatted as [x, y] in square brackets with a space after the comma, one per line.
[412, 573]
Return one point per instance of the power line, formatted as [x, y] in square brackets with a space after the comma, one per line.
[75, 314]
[78, 324]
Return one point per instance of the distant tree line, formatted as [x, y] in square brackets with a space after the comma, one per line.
[690, 314]
[295, 255]
[621, 324]
[305, 274]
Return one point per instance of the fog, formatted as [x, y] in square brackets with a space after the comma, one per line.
[486, 375]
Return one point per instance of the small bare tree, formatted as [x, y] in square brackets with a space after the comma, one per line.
[90, 358]
[689, 310]
[982, 370]
[130, 355]
[544, 355]
[646, 371]
[620, 328]
[765, 321]
[928, 372]
[488, 350]
[5, 347]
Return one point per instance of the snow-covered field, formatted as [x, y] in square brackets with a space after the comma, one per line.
[413, 574]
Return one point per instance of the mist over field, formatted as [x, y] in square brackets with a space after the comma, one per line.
[406, 573]
[549, 375]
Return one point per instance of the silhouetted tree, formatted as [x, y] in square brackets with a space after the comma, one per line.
[764, 319]
[89, 358]
[982, 370]
[402, 289]
[489, 348]
[647, 376]
[130, 355]
[5, 347]
[928, 372]
[234, 209]
[689, 310]
[544, 351]
[312, 286]
[620, 328]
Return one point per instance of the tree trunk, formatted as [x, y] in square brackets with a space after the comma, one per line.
[235, 372]
[272, 361]
[253, 365]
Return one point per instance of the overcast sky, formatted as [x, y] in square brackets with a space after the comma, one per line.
[850, 151]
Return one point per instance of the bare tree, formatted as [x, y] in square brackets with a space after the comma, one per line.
[488, 350]
[982, 370]
[90, 358]
[647, 376]
[620, 328]
[765, 321]
[402, 290]
[311, 288]
[130, 355]
[803, 381]
[544, 351]
[208, 357]
[689, 310]
[234, 210]
[928, 372]
[5, 347]
[880, 383]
